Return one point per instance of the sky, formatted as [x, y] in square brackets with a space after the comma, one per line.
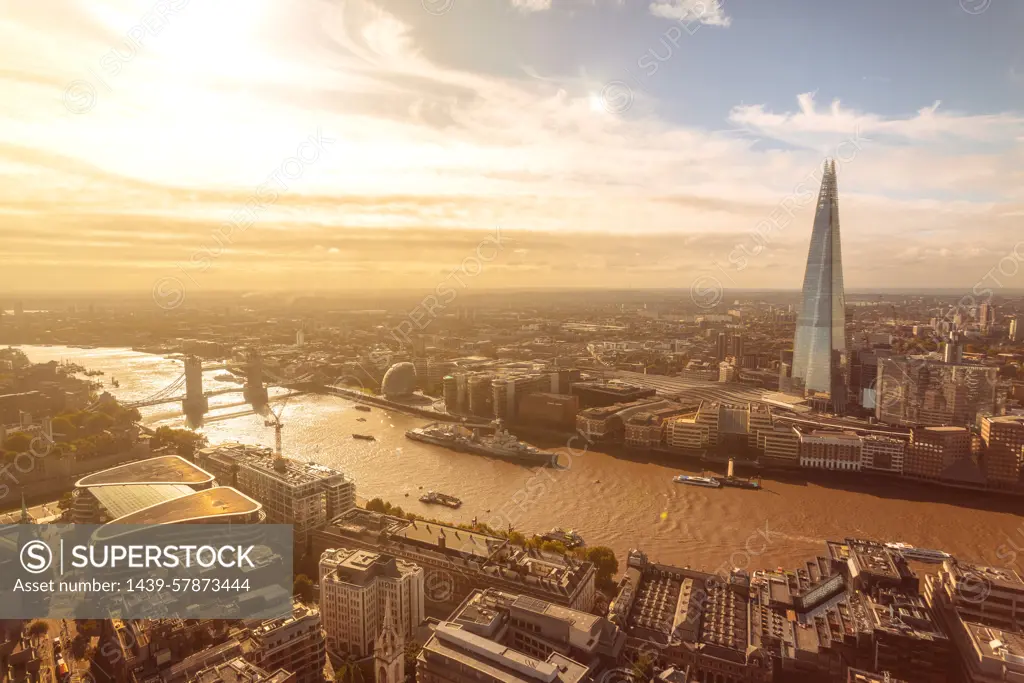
[377, 144]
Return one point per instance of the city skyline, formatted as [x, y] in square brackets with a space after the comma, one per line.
[608, 162]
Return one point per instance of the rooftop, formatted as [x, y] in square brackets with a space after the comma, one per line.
[220, 501]
[1007, 646]
[296, 472]
[168, 469]
[497, 661]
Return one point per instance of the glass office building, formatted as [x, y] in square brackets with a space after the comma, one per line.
[820, 329]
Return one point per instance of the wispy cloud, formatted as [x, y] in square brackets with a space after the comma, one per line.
[710, 12]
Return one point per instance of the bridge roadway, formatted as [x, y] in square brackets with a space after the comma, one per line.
[181, 397]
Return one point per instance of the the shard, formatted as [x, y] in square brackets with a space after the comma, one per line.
[820, 342]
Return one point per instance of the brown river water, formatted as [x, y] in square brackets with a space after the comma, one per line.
[614, 501]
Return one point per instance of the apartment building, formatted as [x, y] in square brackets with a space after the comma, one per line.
[303, 494]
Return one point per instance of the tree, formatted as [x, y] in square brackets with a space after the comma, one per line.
[605, 563]
[554, 547]
[66, 501]
[348, 672]
[303, 588]
[63, 429]
[517, 538]
[38, 629]
[19, 442]
[98, 423]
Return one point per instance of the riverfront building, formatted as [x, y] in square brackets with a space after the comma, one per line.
[1003, 457]
[456, 561]
[303, 494]
[830, 450]
[934, 451]
[356, 589]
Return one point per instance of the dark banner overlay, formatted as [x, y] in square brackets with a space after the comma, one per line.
[186, 571]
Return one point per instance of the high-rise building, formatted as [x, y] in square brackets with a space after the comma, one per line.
[722, 347]
[820, 338]
[986, 316]
[357, 587]
[1016, 330]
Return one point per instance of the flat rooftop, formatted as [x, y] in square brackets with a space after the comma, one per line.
[996, 643]
[167, 469]
[497, 661]
[296, 472]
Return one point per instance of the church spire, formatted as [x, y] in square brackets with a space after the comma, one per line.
[25, 517]
[389, 652]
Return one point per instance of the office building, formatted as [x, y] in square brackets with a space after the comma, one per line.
[722, 347]
[303, 494]
[1003, 458]
[781, 445]
[820, 337]
[295, 643]
[238, 670]
[538, 628]
[464, 561]
[1016, 330]
[689, 619]
[913, 392]
[933, 451]
[830, 450]
[356, 587]
[982, 610]
[882, 454]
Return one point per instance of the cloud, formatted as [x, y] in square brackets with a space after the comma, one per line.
[429, 155]
[708, 12]
[532, 5]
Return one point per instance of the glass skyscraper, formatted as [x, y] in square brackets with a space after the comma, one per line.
[820, 339]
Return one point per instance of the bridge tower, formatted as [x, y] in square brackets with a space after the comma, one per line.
[195, 403]
[254, 393]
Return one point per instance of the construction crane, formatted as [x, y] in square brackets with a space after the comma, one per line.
[277, 425]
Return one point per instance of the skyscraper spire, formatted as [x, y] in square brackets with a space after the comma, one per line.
[820, 337]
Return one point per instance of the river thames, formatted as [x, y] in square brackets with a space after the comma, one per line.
[613, 501]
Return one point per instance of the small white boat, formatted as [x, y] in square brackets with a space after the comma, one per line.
[709, 482]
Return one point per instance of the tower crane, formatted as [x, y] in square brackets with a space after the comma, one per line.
[277, 425]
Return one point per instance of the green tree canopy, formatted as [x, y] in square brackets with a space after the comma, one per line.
[303, 588]
[605, 563]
